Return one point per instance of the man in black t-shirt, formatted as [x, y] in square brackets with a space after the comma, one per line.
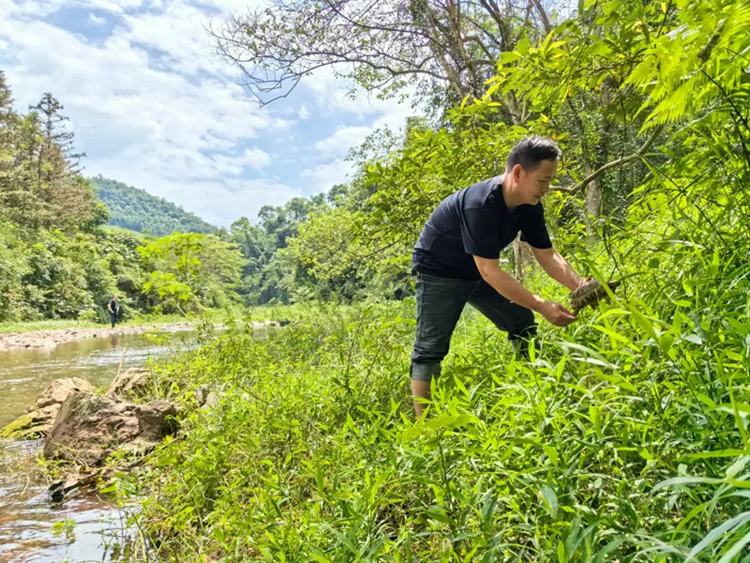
[456, 260]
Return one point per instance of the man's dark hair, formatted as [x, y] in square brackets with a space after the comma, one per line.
[531, 151]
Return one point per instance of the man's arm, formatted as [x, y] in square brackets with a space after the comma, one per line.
[509, 288]
[557, 267]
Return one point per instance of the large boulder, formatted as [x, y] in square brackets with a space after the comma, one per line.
[133, 381]
[60, 389]
[37, 422]
[90, 427]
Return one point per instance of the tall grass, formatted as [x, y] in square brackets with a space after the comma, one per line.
[625, 437]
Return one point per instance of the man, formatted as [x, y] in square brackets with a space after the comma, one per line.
[456, 260]
[114, 309]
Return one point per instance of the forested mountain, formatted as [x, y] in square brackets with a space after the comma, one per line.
[135, 209]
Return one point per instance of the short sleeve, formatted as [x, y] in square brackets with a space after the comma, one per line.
[534, 228]
[479, 233]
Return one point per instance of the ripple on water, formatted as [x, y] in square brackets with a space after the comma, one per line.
[27, 518]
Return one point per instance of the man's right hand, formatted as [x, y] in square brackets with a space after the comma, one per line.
[556, 313]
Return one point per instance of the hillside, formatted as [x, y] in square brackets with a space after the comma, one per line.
[137, 210]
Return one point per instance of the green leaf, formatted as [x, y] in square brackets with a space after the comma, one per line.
[602, 554]
[344, 539]
[551, 452]
[737, 466]
[508, 57]
[685, 481]
[318, 555]
[549, 500]
[713, 454]
[561, 552]
[716, 533]
[735, 549]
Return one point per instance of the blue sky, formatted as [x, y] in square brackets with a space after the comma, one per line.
[154, 107]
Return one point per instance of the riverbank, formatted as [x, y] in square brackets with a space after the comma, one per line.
[55, 337]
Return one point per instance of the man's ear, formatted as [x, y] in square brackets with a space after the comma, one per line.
[516, 172]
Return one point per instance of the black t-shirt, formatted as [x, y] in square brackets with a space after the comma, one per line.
[475, 222]
[115, 306]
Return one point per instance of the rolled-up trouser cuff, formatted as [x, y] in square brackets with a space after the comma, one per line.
[424, 372]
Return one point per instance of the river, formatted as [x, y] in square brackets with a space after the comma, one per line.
[32, 529]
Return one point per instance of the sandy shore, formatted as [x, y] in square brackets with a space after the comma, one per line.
[51, 338]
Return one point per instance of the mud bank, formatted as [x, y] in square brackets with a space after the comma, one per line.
[52, 338]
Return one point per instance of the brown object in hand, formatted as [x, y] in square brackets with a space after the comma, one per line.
[590, 293]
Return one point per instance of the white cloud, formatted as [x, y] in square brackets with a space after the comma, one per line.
[41, 8]
[130, 115]
[394, 115]
[97, 20]
[36, 8]
[338, 144]
[178, 33]
[254, 158]
[116, 6]
[334, 169]
[304, 113]
[335, 95]
[243, 197]
[325, 176]
[121, 96]
[113, 6]
[332, 94]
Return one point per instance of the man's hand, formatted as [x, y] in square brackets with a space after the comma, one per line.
[509, 288]
[556, 313]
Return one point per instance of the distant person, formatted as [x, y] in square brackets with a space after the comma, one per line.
[114, 310]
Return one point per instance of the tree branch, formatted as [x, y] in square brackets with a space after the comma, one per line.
[614, 164]
[494, 12]
[543, 16]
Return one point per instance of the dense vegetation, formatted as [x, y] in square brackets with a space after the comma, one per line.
[56, 260]
[625, 438]
[136, 210]
[273, 272]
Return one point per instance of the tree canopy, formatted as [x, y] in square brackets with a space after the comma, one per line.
[446, 49]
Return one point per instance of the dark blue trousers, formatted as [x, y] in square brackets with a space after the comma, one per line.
[439, 305]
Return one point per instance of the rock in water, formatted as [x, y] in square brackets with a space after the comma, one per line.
[62, 489]
[132, 381]
[90, 427]
[38, 421]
